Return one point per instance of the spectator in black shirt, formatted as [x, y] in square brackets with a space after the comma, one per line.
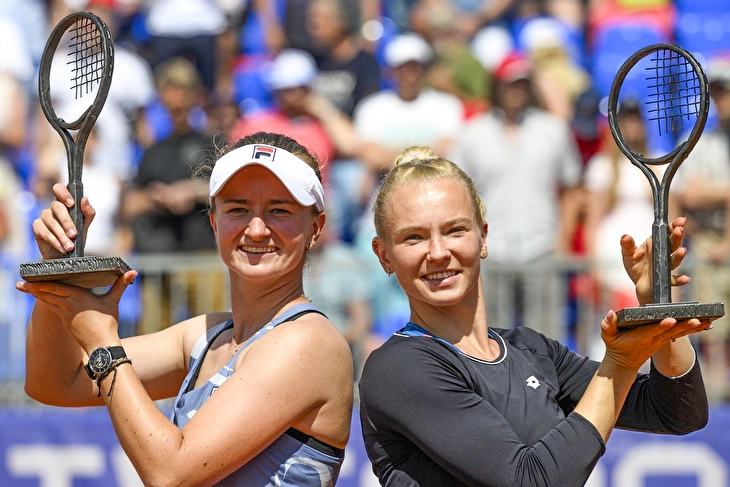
[166, 207]
[347, 72]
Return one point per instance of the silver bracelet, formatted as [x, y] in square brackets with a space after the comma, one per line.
[112, 368]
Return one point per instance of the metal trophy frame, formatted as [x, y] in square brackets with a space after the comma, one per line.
[664, 74]
[88, 67]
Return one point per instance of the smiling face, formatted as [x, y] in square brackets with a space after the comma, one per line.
[262, 231]
[434, 241]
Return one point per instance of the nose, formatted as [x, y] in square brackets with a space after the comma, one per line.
[257, 229]
[437, 250]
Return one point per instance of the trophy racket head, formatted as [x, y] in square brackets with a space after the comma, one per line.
[76, 71]
[672, 89]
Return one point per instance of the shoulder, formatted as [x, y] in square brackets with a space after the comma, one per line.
[311, 335]
[711, 155]
[366, 60]
[525, 338]
[598, 169]
[407, 360]
[440, 96]
[408, 372]
[565, 361]
[547, 120]
[598, 161]
[479, 123]
[308, 357]
[440, 100]
[375, 101]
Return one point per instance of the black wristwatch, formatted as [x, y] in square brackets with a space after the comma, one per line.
[101, 359]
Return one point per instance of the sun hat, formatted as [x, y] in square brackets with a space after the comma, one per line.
[405, 48]
[291, 68]
[514, 67]
[718, 71]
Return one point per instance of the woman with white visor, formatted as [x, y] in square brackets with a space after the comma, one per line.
[264, 392]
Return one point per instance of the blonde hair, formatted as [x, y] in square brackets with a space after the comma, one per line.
[179, 72]
[422, 164]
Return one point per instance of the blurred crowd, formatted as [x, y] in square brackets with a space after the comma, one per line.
[514, 91]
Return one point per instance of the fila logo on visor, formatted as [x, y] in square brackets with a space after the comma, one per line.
[261, 151]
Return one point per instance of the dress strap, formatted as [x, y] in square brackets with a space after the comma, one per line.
[290, 314]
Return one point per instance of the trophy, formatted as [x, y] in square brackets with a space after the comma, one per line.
[676, 89]
[89, 58]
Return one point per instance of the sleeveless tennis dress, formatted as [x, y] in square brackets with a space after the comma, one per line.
[293, 459]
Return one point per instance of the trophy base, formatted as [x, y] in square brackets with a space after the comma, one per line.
[86, 272]
[653, 312]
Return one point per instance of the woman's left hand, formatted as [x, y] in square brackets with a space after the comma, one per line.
[638, 260]
[91, 319]
[630, 348]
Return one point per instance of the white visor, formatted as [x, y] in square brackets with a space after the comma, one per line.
[295, 174]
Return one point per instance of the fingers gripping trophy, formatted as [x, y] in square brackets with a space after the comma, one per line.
[675, 87]
[81, 45]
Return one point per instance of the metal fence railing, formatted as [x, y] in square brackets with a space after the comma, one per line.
[173, 287]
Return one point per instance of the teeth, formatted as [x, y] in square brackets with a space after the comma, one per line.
[440, 275]
[258, 250]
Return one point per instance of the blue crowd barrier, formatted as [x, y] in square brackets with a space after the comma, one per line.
[78, 448]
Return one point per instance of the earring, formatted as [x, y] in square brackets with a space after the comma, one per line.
[483, 253]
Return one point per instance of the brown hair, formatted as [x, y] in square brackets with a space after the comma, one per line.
[422, 164]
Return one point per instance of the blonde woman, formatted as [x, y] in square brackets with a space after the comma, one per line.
[448, 400]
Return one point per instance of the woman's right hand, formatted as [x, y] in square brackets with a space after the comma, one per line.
[54, 230]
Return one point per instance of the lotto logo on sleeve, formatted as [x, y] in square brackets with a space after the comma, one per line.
[263, 151]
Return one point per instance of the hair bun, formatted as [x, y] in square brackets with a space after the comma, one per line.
[415, 155]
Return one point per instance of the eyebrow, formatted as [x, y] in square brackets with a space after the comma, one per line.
[450, 223]
[238, 201]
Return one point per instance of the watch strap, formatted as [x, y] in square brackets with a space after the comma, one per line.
[91, 374]
[117, 352]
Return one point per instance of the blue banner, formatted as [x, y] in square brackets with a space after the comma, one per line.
[52, 447]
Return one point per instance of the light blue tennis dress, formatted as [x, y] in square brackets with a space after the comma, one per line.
[294, 459]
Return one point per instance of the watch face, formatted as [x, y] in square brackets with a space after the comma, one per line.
[99, 360]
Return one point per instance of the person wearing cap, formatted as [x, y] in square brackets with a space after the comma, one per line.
[264, 392]
[528, 165]
[701, 190]
[411, 113]
[289, 77]
[393, 120]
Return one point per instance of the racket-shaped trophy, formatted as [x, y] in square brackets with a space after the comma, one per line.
[674, 86]
[79, 58]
